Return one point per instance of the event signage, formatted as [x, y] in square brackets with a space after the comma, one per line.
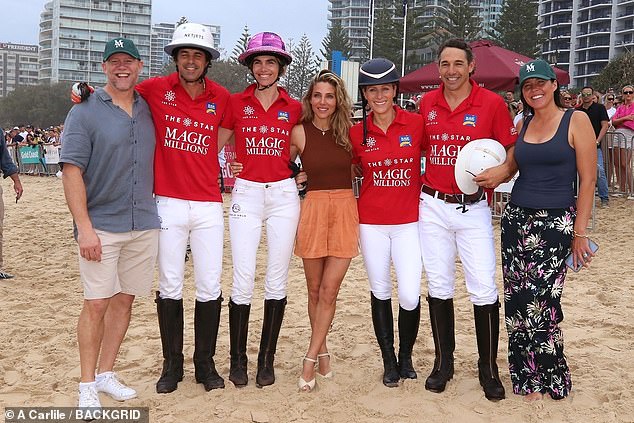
[18, 47]
[29, 155]
[51, 154]
[227, 175]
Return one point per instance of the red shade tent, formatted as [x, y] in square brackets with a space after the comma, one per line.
[497, 69]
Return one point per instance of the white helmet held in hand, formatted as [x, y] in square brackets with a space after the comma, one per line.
[193, 35]
[473, 159]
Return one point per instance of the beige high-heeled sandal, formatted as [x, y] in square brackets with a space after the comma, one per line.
[330, 374]
[307, 386]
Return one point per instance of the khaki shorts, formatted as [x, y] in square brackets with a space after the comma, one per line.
[127, 265]
[328, 225]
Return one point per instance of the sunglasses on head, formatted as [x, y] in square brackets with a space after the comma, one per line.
[628, 92]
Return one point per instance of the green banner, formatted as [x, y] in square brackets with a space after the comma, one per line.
[29, 155]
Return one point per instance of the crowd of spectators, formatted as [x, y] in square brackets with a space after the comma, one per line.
[21, 135]
[570, 100]
[29, 136]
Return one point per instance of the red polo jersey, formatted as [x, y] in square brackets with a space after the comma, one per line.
[262, 137]
[186, 156]
[391, 169]
[481, 115]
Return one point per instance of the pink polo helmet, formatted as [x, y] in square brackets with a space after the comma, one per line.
[265, 43]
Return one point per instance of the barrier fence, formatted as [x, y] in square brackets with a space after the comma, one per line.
[617, 159]
[36, 159]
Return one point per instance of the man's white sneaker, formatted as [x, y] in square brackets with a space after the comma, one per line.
[5, 275]
[108, 383]
[88, 396]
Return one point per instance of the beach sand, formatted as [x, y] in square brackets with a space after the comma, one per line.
[39, 361]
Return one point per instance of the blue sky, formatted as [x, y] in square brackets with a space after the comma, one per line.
[289, 18]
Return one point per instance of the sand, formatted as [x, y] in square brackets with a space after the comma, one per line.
[39, 363]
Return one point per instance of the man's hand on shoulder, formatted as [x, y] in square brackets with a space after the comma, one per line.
[80, 91]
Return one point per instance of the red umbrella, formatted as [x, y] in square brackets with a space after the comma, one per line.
[497, 69]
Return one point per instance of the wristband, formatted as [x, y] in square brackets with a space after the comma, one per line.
[578, 235]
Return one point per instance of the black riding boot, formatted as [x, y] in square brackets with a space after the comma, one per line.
[442, 326]
[383, 323]
[408, 322]
[487, 324]
[206, 322]
[271, 324]
[170, 317]
[238, 331]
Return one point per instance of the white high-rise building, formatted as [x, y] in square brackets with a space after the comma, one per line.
[73, 34]
[354, 16]
[584, 35]
[489, 11]
[161, 36]
[18, 66]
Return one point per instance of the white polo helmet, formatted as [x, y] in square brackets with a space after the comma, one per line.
[193, 35]
[473, 159]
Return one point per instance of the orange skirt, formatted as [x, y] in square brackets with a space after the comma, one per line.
[328, 225]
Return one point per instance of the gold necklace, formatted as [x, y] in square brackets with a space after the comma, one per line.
[323, 131]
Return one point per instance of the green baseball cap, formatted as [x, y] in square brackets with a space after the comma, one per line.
[536, 69]
[120, 45]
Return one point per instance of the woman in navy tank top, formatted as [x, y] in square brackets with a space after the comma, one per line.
[542, 224]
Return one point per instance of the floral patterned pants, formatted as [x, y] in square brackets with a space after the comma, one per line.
[535, 244]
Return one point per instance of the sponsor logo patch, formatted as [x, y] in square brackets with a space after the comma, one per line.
[169, 98]
[281, 115]
[469, 120]
[405, 141]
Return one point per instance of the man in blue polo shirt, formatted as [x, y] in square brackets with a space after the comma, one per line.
[107, 159]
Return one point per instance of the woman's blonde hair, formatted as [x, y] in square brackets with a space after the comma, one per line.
[340, 121]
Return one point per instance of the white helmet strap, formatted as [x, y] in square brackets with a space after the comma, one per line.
[379, 75]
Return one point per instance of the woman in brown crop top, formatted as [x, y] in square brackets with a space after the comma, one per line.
[328, 230]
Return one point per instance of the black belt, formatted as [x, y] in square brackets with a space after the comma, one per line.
[454, 198]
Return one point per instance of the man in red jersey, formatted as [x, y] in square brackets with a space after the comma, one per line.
[187, 108]
[450, 222]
